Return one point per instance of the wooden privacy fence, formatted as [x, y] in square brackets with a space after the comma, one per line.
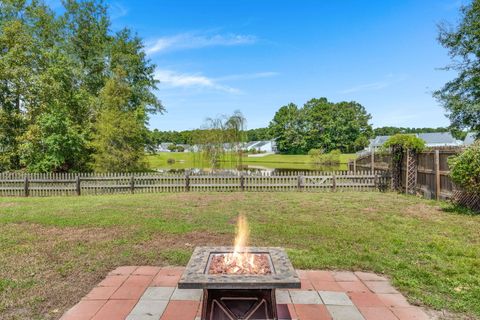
[432, 174]
[59, 184]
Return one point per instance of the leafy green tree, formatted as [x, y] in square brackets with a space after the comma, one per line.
[119, 130]
[465, 168]
[54, 143]
[53, 69]
[461, 96]
[390, 131]
[288, 130]
[16, 79]
[331, 126]
[258, 134]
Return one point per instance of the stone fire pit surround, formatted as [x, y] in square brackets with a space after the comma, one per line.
[196, 273]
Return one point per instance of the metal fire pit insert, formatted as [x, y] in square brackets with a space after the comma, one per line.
[235, 297]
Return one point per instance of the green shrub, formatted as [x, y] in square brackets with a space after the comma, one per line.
[406, 141]
[465, 168]
[319, 158]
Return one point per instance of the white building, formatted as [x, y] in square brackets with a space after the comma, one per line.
[267, 146]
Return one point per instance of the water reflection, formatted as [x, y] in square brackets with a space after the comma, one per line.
[250, 170]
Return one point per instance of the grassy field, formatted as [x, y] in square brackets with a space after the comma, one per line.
[186, 160]
[430, 251]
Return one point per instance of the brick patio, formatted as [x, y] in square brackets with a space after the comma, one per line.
[140, 293]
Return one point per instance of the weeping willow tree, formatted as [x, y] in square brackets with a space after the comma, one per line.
[222, 140]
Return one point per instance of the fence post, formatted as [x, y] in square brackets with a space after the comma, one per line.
[300, 182]
[354, 166]
[372, 160]
[132, 184]
[375, 181]
[187, 182]
[77, 185]
[26, 187]
[334, 183]
[437, 174]
[242, 182]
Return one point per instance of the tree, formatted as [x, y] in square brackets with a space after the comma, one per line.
[119, 131]
[465, 168]
[461, 96]
[331, 126]
[54, 70]
[288, 130]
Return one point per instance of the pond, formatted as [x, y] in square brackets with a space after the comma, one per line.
[181, 162]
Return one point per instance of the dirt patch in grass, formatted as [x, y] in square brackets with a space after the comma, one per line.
[7, 204]
[55, 267]
[422, 211]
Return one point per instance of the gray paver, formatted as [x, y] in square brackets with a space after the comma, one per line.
[187, 294]
[283, 297]
[143, 317]
[335, 298]
[158, 293]
[305, 297]
[149, 307]
[345, 313]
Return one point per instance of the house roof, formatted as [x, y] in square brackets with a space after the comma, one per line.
[470, 138]
[439, 138]
[261, 144]
[379, 141]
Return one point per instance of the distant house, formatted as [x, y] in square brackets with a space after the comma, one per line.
[376, 143]
[268, 146]
[470, 138]
[439, 139]
[434, 139]
[163, 147]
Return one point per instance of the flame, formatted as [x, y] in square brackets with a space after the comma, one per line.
[240, 261]
[243, 232]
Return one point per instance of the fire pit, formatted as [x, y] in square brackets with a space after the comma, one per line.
[239, 283]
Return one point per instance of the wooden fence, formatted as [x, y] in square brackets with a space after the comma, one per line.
[64, 184]
[433, 180]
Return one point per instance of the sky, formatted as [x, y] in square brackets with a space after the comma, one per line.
[217, 56]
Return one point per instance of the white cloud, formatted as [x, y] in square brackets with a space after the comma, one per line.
[366, 87]
[374, 86]
[248, 76]
[117, 10]
[184, 41]
[175, 79]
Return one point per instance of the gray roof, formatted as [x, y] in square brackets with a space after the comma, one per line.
[379, 141]
[261, 144]
[470, 138]
[439, 138]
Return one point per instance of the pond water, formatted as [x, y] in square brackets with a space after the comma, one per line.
[258, 169]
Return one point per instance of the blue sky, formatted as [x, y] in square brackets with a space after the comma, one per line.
[214, 57]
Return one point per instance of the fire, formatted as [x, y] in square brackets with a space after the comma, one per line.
[240, 261]
[243, 232]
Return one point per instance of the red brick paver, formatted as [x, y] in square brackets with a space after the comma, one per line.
[372, 296]
[377, 313]
[115, 310]
[312, 311]
[181, 310]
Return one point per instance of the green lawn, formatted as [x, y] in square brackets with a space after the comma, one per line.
[186, 160]
[54, 250]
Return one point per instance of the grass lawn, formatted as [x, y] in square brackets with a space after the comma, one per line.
[54, 250]
[185, 160]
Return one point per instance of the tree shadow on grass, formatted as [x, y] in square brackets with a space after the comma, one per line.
[455, 208]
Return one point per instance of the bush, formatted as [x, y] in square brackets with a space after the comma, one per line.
[170, 161]
[319, 158]
[405, 141]
[465, 168]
